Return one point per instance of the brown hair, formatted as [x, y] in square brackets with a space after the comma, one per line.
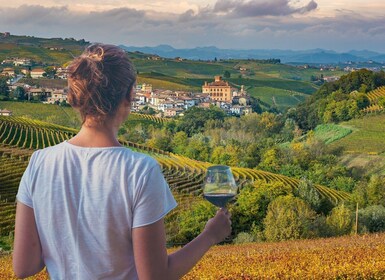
[98, 80]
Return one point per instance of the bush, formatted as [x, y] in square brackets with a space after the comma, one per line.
[243, 237]
[192, 221]
[372, 219]
[340, 221]
[308, 193]
[252, 202]
[289, 217]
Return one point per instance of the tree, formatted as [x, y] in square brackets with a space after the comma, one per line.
[288, 217]
[19, 93]
[195, 118]
[179, 143]
[372, 219]
[376, 190]
[226, 74]
[193, 220]
[340, 220]
[4, 89]
[308, 193]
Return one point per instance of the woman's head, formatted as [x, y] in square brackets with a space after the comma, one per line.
[99, 80]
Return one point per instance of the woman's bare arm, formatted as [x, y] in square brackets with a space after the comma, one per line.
[151, 259]
[27, 254]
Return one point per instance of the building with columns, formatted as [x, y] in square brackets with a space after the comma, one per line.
[219, 90]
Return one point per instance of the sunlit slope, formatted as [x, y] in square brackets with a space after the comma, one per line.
[19, 137]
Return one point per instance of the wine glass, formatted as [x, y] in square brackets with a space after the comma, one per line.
[219, 185]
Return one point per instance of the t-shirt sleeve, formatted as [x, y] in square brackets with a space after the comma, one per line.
[153, 199]
[24, 192]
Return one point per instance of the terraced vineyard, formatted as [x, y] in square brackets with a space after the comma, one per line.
[149, 117]
[19, 137]
[374, 97]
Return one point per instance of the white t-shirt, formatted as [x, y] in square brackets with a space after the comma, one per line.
[86, 202]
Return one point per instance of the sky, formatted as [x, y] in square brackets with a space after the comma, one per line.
[339, 25]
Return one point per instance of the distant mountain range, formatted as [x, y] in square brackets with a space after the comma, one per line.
[314, 56]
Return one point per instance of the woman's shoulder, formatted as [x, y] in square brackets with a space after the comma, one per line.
[140, 159]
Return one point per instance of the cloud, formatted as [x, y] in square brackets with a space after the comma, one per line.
[227, 24]
[257, 8]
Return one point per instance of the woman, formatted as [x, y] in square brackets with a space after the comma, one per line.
[89, 208]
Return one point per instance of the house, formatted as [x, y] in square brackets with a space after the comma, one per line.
[8, 72]
[61, 73]
[236, 110]
[165, 105]
[146, 87]
[37, 73]
[219, 90]
[5, 112]
[39, 93]
[331, 78]
[247, 110]
[141, 98]
[157, 99]
[57, 96]
[22, 62]
[189, 102]
[173, 112]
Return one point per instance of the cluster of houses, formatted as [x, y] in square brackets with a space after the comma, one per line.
[167, 102]
[34, 73]
[173, 103]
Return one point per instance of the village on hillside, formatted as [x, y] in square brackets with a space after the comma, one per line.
[163, 102]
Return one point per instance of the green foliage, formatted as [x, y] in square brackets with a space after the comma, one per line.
[271, 160]
[329, 133]
[226, 74]
[198, 148]
[193, 220]
[372, 219]
[179, 142]
[343, 183]
[252, 202]
[308, 193]
[376, 190]
[19, 93]
[339, 100]
[288, 217]
[195, 119]
[243, 237]
[340, 220]
[4, 90]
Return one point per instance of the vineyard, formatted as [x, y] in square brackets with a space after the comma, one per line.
[374, 97]
[148, 117]
[19, 137]
[354, 257]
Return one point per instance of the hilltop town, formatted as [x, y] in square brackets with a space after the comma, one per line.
[163, 102]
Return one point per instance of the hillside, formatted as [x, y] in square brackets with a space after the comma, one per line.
[274, 83]
[54, 51]
[364, 148]
[20, 136]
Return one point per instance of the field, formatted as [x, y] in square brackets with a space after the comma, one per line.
[38, 50]
[329, 133]
[368, 135]
[65, 116]
[350, 257]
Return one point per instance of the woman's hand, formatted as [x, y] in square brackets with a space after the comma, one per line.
[218, 227]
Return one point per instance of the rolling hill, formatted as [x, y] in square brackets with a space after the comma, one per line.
[274, 83]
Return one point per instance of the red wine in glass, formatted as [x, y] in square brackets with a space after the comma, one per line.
[219, 185]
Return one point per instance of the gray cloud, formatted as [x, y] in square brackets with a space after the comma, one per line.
[257, 8]
[234, 24]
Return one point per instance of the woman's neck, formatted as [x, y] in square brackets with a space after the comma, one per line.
[94, 134]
